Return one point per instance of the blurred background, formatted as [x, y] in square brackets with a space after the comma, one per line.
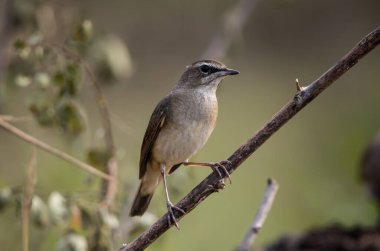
[315, 157]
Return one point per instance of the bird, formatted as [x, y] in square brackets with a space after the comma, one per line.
[179, 126]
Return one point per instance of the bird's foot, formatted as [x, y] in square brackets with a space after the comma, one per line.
[171, 217]
[219, 167]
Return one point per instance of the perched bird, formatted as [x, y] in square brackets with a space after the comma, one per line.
[180, 125]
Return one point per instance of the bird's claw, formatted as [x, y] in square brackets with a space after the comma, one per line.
[171, 217]
[220, 165]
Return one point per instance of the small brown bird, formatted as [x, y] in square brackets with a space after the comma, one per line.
[180, 125]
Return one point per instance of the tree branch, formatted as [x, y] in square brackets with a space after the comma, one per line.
[232, 26]
[54, 151]
[300, 100]
[261, 215]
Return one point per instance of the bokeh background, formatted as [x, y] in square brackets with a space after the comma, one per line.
[315, 157]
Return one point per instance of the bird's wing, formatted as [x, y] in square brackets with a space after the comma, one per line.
[157, 121]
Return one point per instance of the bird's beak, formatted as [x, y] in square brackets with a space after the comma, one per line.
[230, 72]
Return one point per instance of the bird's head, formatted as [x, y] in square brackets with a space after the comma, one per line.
[205, 73]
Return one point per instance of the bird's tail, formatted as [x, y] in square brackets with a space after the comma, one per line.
[145, 193]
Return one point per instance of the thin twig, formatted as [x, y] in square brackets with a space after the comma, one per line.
[231, 28]
[261, 215]
[13, 119]
[54, 151]
[30, 181]
[300, 100]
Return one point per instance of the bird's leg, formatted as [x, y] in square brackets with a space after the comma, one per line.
[216, 167]
[169, 205]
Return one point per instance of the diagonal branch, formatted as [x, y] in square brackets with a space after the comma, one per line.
[262, 213]
[302, 97]
[54, 151]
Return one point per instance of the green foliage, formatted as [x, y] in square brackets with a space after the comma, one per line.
[83, 32]
[48, 53]
[68, 80]
[5, 198]
[68, 117]
[98, 158]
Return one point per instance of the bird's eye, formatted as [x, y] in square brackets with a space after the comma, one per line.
[205, 68]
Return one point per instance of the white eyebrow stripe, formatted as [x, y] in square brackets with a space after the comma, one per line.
[208, 64]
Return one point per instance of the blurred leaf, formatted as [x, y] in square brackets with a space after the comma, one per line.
[69, 117]
[39, 52]
[34, 39]
[43, 110]
[22, 48]
[98, 158]
[143, 222]
[39, 212]
[68, 80]
[22, 80]
[42, 79]
[87, 216]
[110, 219]
[57, 208]
[111, 59]
[72, 242]
[83, 32]
[75, 218]
[19, 44]
[5, 197]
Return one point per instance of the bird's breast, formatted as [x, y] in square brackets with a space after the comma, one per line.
[186, 130]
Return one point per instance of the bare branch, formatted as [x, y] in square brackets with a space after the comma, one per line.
[300, 100]
[30, 181]
[231, 28]
[54, 151]
[13, 119]
[261, 215]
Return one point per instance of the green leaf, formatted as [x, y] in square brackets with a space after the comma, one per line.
[5, 197]
[98, 158]
[83, 32]
[68, 80]
[22, 48]
[68, 117]
[42, 109]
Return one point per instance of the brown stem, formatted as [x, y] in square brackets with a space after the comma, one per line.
[261, 215]
[54, 151]
[30, 181]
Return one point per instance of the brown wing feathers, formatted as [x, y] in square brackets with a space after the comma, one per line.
[156, 122]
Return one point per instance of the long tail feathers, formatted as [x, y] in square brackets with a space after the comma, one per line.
[140, 203]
